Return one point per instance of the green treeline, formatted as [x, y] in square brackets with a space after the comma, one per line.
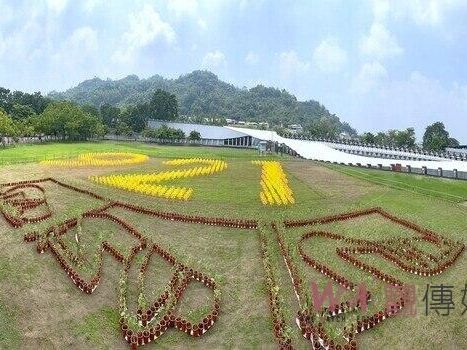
[123, 107]
[23, 115]
[202, 96]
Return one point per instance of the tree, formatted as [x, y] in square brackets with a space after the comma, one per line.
[5, 103]
[194, 136]
[178, 134]
[452, 142]
[21, 112]
[68, 121]
[348, 129]
[25, 127]
[405, 138]
[84, 127]
[380, 138]
[323, 127]
[368, 138]
[220, 121]
[136, 117]
[110, 115]
[436, 138]
[35, 101]
[123, 129]
[91, 110]
[391, 136]
[394, 138]
[166, 133]
[163, 105]
[7, 126]
[149, 133]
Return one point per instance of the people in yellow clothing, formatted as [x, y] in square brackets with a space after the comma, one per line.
[151, 184]
[275, 189]
[99, 159]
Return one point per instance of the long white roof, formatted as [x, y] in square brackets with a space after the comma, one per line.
[206, 131]
[322, 151]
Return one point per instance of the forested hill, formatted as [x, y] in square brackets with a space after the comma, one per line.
[201, 93]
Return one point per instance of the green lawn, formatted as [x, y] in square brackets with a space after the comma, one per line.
[443, 188]
[30, 153]
[41, 308]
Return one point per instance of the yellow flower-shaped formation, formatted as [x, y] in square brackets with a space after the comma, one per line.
[275, 189]
[150, 184]
[100, 159]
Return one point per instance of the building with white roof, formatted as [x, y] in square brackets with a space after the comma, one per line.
[211, 135]
[339, 153]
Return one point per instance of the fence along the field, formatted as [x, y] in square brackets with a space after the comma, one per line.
[447, 174]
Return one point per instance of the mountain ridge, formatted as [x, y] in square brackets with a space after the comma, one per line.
[202, 93]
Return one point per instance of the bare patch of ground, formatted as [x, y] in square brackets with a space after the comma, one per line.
[327, 182]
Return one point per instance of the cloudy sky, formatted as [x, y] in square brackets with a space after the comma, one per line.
[378, 64]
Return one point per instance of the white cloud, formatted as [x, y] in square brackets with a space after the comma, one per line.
[202, 24]
[416, 102]
[425, 100]
[247, 4]
[428, 12]
[421, 88]
[290, 64]
[182, 8]
[329, 57]
[252, 58]
[79, 48]
[380, 9]
[244, 4]
[57, 6]
[431, 12]
[370, 76]
[422, 12]
[27, 38]
[146, 26]
[213, 59]
[85, 40]
[90, 5]
[6, 11]
[2, 44]
[380, 43]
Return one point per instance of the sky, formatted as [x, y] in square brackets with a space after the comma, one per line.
[377, 64]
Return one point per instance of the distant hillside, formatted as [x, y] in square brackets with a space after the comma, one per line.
[201, 93]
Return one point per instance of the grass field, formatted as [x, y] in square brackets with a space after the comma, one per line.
[41, 309]
[455, 191]
[31, 153]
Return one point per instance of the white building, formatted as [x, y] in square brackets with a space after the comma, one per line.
[211, 135]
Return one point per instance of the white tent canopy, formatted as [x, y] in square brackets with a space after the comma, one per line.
[321, 151]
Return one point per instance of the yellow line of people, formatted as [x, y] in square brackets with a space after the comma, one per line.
[150, 184]
[275, 189]
[99, 159]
